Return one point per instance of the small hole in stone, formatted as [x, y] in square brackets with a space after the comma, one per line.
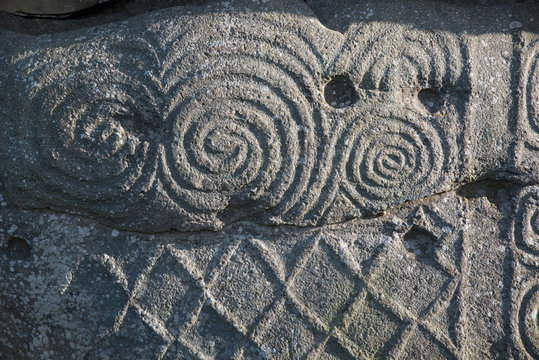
[18, 248]
[432, 100]
[419, 242]
[340, 92]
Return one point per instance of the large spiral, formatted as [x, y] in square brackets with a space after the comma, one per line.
[242, 119]
[391, 156]
[89, 139]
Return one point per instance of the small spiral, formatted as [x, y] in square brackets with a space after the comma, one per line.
[89, 139]
[392, 156]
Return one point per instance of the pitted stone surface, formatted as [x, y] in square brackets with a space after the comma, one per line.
[247, 180]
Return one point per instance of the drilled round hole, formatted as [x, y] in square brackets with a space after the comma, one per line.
[18, 248]
[339, 92]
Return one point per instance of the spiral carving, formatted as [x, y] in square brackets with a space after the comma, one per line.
[195, 127]
[198, 124]
[391, 156]
[87, 141]
[243, 123]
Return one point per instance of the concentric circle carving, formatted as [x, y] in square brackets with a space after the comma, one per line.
[90, 140]
[243, 123]
[400, 57]
[391, 156]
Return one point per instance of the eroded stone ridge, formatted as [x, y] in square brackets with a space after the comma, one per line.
[531, 73]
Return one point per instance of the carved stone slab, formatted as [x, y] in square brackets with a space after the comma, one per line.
[273, 179]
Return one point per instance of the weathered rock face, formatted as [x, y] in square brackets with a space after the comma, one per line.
[273, 180]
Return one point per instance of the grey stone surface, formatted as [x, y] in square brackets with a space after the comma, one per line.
[272, 179]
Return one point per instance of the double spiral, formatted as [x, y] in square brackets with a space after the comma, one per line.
[187, 121]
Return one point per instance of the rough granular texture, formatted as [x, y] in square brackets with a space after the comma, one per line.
[272, 179]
